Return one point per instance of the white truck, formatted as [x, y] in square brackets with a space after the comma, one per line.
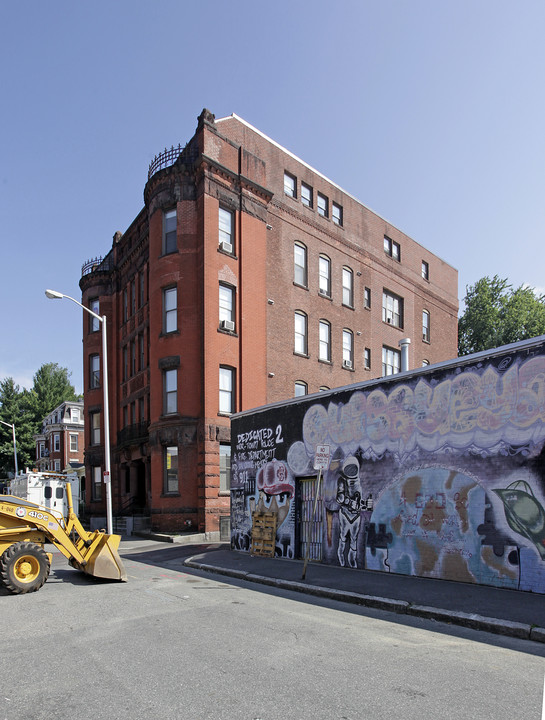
[46, 489]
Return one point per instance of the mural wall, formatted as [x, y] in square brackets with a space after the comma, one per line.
[439, 474]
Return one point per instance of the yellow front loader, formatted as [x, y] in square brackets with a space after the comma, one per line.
[25, 527]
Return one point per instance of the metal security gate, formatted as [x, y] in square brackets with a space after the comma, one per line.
[310, 525]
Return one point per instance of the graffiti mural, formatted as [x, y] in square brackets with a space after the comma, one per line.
[438, 474]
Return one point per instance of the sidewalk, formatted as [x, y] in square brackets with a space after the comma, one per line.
[504, 612]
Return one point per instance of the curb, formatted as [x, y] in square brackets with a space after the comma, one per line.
[402, 607]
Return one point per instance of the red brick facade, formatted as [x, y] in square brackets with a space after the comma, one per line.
[161, 295]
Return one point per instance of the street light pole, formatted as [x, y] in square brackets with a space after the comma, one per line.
[54, 295]
[14, 445]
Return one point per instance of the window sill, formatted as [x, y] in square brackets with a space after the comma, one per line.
[225, 414]
[326, 296]
[303, 287]
[229, 254]
[396, 327]
[348, 307]
[233, 333]
[168, 334]
[170, 494]
[303, 355]
[224, 493]
[325, 362]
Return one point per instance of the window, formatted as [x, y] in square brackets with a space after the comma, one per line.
[170, 398]
[225, 467]
[133, 296]
[324, 352]
[324, 388]
[392, 309]
[57, 440]
[306, 195]
[141, 297]
[141, 362]
[300, 264]
[94, 323]
[94, 371]
[300, 344]
[425, 326]
[290, 185]
[367, 298]
[42, 450]
[323, 205]
[226, 230]
[348, 349]
[227, 390]
[96, 486]
[141, 412]
[337, 214]
[171, 469]
[126, 362]
[425, 270]
[95, 428]
[125, 305]
[391, 361]
[57, 466]
[324, 276]
[367, 358]
[170, 310]
[75, 415]
[425, 363]
[73, 443]
[392, 248]
[133, 357]
[227, 307]
[348, 287]
[126, 416]
[301, 388]
[169, 231]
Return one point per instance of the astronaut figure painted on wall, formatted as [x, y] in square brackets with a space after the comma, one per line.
[350, 506]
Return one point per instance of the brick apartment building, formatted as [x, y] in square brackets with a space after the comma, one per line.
[61, 442]
[247, 278]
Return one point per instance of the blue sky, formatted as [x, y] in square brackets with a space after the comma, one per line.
[430, 113]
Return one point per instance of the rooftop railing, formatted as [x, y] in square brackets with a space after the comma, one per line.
[164, 159]
[97, 264]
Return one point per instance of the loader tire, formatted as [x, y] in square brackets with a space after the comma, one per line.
[24, 567]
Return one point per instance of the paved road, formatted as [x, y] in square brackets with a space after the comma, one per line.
[177, 644]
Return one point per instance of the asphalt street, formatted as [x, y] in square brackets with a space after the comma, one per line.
[176, 642]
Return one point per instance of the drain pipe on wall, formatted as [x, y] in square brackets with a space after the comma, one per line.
[404, 345]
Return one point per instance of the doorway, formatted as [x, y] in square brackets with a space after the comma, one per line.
[310, 524]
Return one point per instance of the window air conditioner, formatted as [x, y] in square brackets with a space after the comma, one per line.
[226, 247]
[227, 325]
[347, 364]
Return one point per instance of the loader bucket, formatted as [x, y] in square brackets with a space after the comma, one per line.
[105, 562]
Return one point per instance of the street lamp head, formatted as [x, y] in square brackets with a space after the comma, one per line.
[53, 295]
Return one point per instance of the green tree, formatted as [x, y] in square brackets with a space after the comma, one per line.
[26, 410]
[495, 315]
[51, 387]
[14, 410]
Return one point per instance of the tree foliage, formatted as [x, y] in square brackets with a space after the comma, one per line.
[26, 410]
[495, 315]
